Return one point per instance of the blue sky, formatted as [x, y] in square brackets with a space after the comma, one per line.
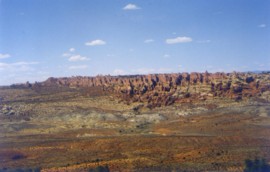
[39, 38]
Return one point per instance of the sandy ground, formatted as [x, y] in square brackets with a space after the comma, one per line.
[67, 131]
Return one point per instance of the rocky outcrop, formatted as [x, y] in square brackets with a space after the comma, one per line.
[165, 89]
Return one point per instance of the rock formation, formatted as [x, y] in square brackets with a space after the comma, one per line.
[165, 89]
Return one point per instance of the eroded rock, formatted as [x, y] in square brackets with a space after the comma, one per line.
[155, 90]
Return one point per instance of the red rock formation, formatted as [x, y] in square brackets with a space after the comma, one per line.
[166, 89]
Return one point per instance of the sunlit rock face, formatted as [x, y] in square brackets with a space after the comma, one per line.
[184, 117]
[165, 89]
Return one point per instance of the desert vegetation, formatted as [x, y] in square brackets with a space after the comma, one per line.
[49, 126]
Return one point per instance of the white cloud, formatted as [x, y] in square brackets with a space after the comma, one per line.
[166, 56]
[78, 57]
[22, 78]
[144, 70]
[151, 70]
[66, 55]
[95, 42]
[131, 7]
[204, 41]
[78, 67]
[164, 70]
[178, 40]
[182, 68]
[72, 49]
[118, 72]
[17, 66]
[110, 55]
[4, 56]
[245, 67]
[262, 25]
[24, 63]
[148, 40]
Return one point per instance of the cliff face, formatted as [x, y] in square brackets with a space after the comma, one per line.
[166, 89]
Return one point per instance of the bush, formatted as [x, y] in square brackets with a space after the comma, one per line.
[258, 165]
[100, 169]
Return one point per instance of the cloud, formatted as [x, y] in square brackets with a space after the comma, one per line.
[148, 40]
[118, 72]
[24, 63]
[178, 40]
[22, 78]
[4, 56]
[204, 41]
[110, 55]
[182, 68]
[131, 7]
[164, 70]
[152, 70]
[66, 55]
[262, 25]
[95, 42]
[144, 70]
[166, 56]
[17, 66]
[72, 49]
[78, 67]
[78, 57]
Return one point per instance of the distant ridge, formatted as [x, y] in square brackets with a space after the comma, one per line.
[258, 71]
[155, 90]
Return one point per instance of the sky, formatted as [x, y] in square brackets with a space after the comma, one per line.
[59, 38]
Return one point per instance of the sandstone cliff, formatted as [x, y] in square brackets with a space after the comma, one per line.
[165, 89]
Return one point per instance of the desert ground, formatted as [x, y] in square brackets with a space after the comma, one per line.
[64, 129]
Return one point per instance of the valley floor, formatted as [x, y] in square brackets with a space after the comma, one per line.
[67, 131]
